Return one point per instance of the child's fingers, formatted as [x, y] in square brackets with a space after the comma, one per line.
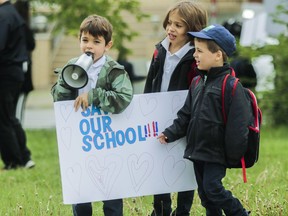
[77, 103]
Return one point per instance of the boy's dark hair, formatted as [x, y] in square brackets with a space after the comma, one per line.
[97, 26]
[213, 47]
[192, 14]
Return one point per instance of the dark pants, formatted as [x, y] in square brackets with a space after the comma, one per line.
[14, 151]
[162, 204]
[110, 208]
[214, 197]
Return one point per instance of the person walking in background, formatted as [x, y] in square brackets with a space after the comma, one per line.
[201, 121]
[123, 60]
[242, 65]
[13, 53]
[22, 6]
[108, 88]
[172, 68]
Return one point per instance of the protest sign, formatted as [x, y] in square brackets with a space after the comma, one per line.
[107, 156]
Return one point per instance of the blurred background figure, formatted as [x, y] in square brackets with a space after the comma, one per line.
[123, 60]
[22, 6]
[242, 65]
[13, 53]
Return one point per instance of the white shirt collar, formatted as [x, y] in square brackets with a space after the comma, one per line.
[181, 52]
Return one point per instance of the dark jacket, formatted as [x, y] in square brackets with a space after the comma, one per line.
[12, 43]
[201, 120]
[181, 77]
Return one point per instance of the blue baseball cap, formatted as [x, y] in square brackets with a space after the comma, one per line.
[222, 37]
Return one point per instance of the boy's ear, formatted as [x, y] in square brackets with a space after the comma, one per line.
[219, 55]
[109, 45]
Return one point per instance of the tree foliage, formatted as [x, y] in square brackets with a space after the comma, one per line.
[72, 12]
[274, 103]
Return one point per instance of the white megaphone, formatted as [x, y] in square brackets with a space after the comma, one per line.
[75, 75]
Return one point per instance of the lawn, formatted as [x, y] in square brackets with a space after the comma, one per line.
[38, 191]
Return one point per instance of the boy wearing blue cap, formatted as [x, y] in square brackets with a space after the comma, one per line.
[201, 121]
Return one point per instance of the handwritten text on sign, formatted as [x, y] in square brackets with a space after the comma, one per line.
[107, 156]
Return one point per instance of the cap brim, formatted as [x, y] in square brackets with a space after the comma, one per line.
[199, 35]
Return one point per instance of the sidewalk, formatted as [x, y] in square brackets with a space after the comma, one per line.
[39, 112]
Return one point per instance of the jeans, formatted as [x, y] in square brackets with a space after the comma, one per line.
[214, 197]
[110, 208]
[162, 204]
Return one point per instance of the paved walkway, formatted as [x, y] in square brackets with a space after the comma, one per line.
[39, 111]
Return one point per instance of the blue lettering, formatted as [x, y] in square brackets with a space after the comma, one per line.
[95, 110]
[130, 135]
[120, 138]
[93, 128]
[87, 146]
[110, 140]
[141, 137]
[106, 121]
[84, 126]
[97, 146]
[86, 113]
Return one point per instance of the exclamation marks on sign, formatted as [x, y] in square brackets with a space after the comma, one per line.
[148, 132]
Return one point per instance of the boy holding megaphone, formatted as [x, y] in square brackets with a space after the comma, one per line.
[95, 78]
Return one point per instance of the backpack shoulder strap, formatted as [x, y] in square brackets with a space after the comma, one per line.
[195, 82]
[155, 53]
[224, 90]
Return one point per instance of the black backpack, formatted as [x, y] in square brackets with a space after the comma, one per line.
[252, 154]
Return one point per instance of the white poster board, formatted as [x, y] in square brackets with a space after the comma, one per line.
[108, 156]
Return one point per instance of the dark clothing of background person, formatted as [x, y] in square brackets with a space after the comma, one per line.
[23, 9]
[130, 70]
[13, 53]
[180, 80]
[245, 72]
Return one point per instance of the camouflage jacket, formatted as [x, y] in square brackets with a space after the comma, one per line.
[113, 91]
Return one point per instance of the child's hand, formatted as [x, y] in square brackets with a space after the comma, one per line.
[162, 138]
[81, 100]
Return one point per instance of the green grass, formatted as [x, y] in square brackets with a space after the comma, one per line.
[38, 191]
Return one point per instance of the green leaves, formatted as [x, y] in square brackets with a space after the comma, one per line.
[72, 12]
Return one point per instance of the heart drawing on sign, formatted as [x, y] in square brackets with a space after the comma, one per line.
[74, 175]
[128, 111]
[65, 111]
[66, 133]
[147, 105]
[104, 172]
[140, 168]
[172, 170]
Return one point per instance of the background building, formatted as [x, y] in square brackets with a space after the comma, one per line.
[51, 53]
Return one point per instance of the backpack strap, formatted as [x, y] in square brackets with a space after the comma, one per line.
[155, 53]
[195, 82]
[225, 115]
